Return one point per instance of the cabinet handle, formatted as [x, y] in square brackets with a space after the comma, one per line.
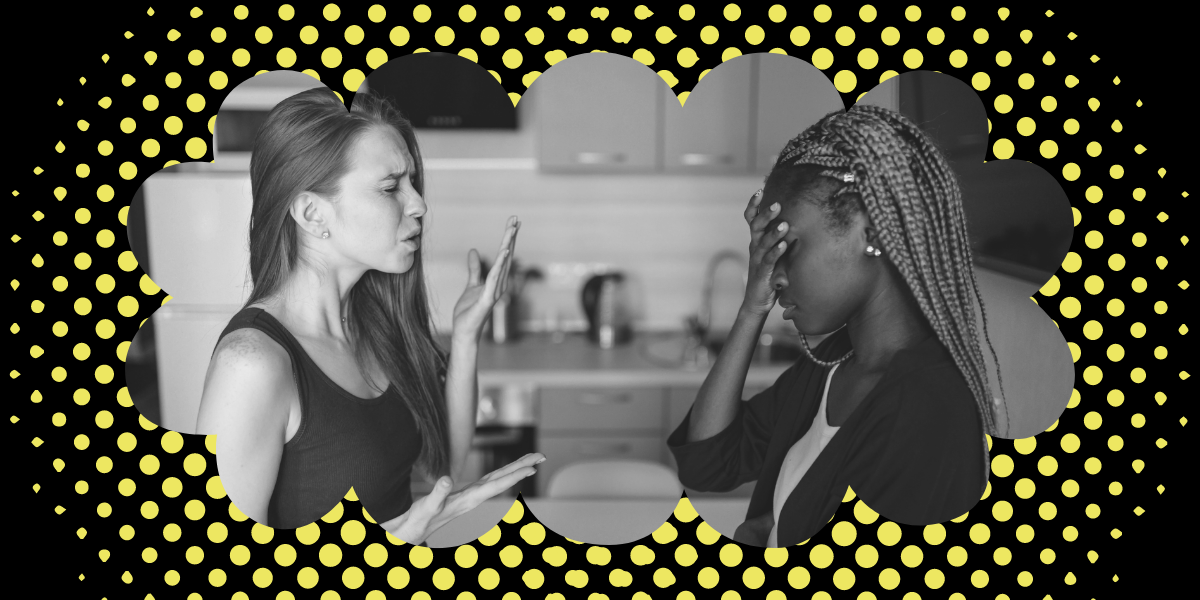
[597, 449]
[599, 158]
[701, 159]
[596, 399]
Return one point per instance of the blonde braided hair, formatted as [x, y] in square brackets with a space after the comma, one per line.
[913, 199]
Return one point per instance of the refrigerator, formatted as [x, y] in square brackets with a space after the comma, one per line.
[197, 240]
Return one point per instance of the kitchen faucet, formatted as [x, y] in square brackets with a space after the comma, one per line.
[699, 325]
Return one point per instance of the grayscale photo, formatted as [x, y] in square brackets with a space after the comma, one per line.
[602, 298]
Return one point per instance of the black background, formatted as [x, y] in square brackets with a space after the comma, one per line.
[41, 52]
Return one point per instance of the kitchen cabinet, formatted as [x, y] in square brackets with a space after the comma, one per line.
[609, 114]
[599, 114]
[791, 96]
[601, 409]
[576, 424]
[711, 132]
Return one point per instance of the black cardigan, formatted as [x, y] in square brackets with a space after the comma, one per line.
[913, 450]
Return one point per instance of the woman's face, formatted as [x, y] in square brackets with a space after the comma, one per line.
[823, 277]
[377, 215]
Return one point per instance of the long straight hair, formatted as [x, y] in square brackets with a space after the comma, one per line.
[304, 145]
[914, 200]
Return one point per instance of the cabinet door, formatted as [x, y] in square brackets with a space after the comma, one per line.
[600, 409]
[711, 132]
[792, 95]
[598, 113]
[886, 94]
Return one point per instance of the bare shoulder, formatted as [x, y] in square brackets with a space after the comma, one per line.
[250, 351]
[249, 374]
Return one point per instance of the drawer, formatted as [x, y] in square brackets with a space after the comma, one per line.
[561, 451]
[605, 409]
[680, 400]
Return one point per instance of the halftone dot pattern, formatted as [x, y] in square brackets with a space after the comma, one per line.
[148, 509]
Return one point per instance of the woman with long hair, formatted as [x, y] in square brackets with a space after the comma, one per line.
[859, 233]
[330, 377]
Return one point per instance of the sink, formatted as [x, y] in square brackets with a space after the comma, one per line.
[682, 352]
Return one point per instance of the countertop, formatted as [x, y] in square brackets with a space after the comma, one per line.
[575, 361]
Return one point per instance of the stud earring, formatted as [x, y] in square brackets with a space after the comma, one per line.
[873, 251]
[325, 235]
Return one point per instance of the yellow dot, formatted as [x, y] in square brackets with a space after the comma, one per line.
[150, 148]
[173, 125]
[890, 36]
[981, 81]
[1116, 307]
[822, 58]
[1071, 126]
[1025, 488]
[1025, 81]
[1003, 103]
[868, 58]
[913, 58]
[1069, 307]
[194, 464]
[1026, 126]
[173, 80]
[799, 35]
[958, 59]
[845, 81]
[1003, 149]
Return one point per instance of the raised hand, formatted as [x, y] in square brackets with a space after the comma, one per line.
[766, 247]
[430, 513]
[481, 294]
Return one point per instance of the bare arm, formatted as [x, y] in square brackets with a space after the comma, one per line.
[717, 402]
[461, 400]
[470, 313]
[246, 403]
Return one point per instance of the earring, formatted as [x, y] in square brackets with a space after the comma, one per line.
[873, 251]
[325, 235]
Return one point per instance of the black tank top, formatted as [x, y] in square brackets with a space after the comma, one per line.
[343, 441]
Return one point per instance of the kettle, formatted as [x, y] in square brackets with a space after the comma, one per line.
[503, 326]
[604, 304]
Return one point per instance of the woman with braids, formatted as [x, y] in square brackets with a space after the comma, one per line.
[858, 233]
[330, 377]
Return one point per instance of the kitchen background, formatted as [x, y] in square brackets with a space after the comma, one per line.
[609, 175]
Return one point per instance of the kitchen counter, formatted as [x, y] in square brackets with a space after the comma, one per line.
[607, 522]
[575, 361]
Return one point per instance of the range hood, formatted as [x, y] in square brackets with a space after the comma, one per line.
[436, 90]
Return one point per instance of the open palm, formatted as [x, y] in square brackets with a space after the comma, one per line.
[429, 513]
[481, 294]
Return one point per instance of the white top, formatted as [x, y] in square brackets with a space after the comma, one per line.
[802, 455]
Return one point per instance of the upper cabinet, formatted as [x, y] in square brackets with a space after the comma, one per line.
[608, 113]
[792, 95]
[711, 134]
[599, 114]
